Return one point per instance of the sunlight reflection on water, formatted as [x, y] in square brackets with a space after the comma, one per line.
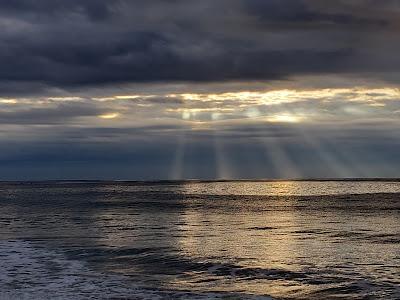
[172, 239]
[288, 188]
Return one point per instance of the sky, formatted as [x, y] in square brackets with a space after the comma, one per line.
[211, 89]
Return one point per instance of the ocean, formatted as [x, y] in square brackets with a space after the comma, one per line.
[200, 240]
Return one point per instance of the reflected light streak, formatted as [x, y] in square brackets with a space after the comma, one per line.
[207, 235]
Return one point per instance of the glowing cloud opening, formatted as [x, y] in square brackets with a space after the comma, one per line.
[286, 118]
[109, 116]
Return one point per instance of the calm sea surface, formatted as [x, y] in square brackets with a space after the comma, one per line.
[200, 240]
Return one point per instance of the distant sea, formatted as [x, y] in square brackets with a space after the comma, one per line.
[200, 240]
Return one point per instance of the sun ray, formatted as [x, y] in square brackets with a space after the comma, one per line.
[222, 166]
[281, 162]
[177, 167]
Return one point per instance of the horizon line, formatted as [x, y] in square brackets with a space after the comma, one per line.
[193, 180]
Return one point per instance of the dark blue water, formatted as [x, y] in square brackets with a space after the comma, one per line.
[200, 240]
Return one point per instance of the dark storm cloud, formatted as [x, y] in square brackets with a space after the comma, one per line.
[97, 10]
[50, 114]
[299, 13]
[81, 43]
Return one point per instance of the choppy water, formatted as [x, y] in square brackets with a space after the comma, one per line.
[211, 240]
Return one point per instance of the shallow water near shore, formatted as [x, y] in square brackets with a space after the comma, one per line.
[200, 240]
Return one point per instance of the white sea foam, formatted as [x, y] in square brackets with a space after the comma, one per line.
[29, 272]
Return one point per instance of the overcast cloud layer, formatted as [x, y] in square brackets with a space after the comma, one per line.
[65, 44]
[199, 89]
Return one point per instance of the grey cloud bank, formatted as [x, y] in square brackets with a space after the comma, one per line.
[65, 44]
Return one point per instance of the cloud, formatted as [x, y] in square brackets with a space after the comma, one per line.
[311, 106]
[71, 44]
[137, 88]
[50, 113]
[302, 14]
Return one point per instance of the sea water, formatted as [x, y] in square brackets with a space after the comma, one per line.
[200, 240]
